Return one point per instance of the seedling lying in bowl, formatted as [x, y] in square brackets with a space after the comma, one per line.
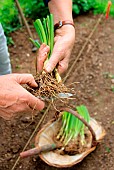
[67, 140]
[72, 151]
[73, 134]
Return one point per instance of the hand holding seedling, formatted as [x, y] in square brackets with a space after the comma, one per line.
[56, 39]
[64, 38]
[14, 98]
[64, 41]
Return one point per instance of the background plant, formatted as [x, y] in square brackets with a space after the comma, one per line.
[82, 6]
[8, 17]
[101, 5]
[34, 8]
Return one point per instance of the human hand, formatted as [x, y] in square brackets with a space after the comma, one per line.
[14, 98]
[63, 44]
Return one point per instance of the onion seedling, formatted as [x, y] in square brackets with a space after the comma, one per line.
[45, 31]
[72, 127]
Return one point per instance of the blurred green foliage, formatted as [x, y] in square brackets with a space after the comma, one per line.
[81, 6]
[8, 16]
[36, 9]
[9, 12]
[101, 6]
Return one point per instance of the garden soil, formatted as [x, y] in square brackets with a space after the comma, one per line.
[94, 74]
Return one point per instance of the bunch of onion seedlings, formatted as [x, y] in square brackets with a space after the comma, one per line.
[45, 31]
[72, 127]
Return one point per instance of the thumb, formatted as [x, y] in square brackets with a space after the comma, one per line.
[25, 79]
[53, 61]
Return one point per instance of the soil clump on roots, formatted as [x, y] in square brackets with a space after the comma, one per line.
[48, 87]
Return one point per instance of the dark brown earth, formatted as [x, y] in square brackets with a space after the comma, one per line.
[94, 71]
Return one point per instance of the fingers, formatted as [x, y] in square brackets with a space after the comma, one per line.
[41, 60]
[62, 67]
[42, 56]
[25, 79]
[32, 101]
[54, 59]
[35, 103]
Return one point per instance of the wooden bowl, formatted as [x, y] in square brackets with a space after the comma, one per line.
[53, 158]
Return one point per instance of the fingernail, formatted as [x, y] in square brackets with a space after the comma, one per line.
[45, 53]
[36, 84]
[48, 68]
